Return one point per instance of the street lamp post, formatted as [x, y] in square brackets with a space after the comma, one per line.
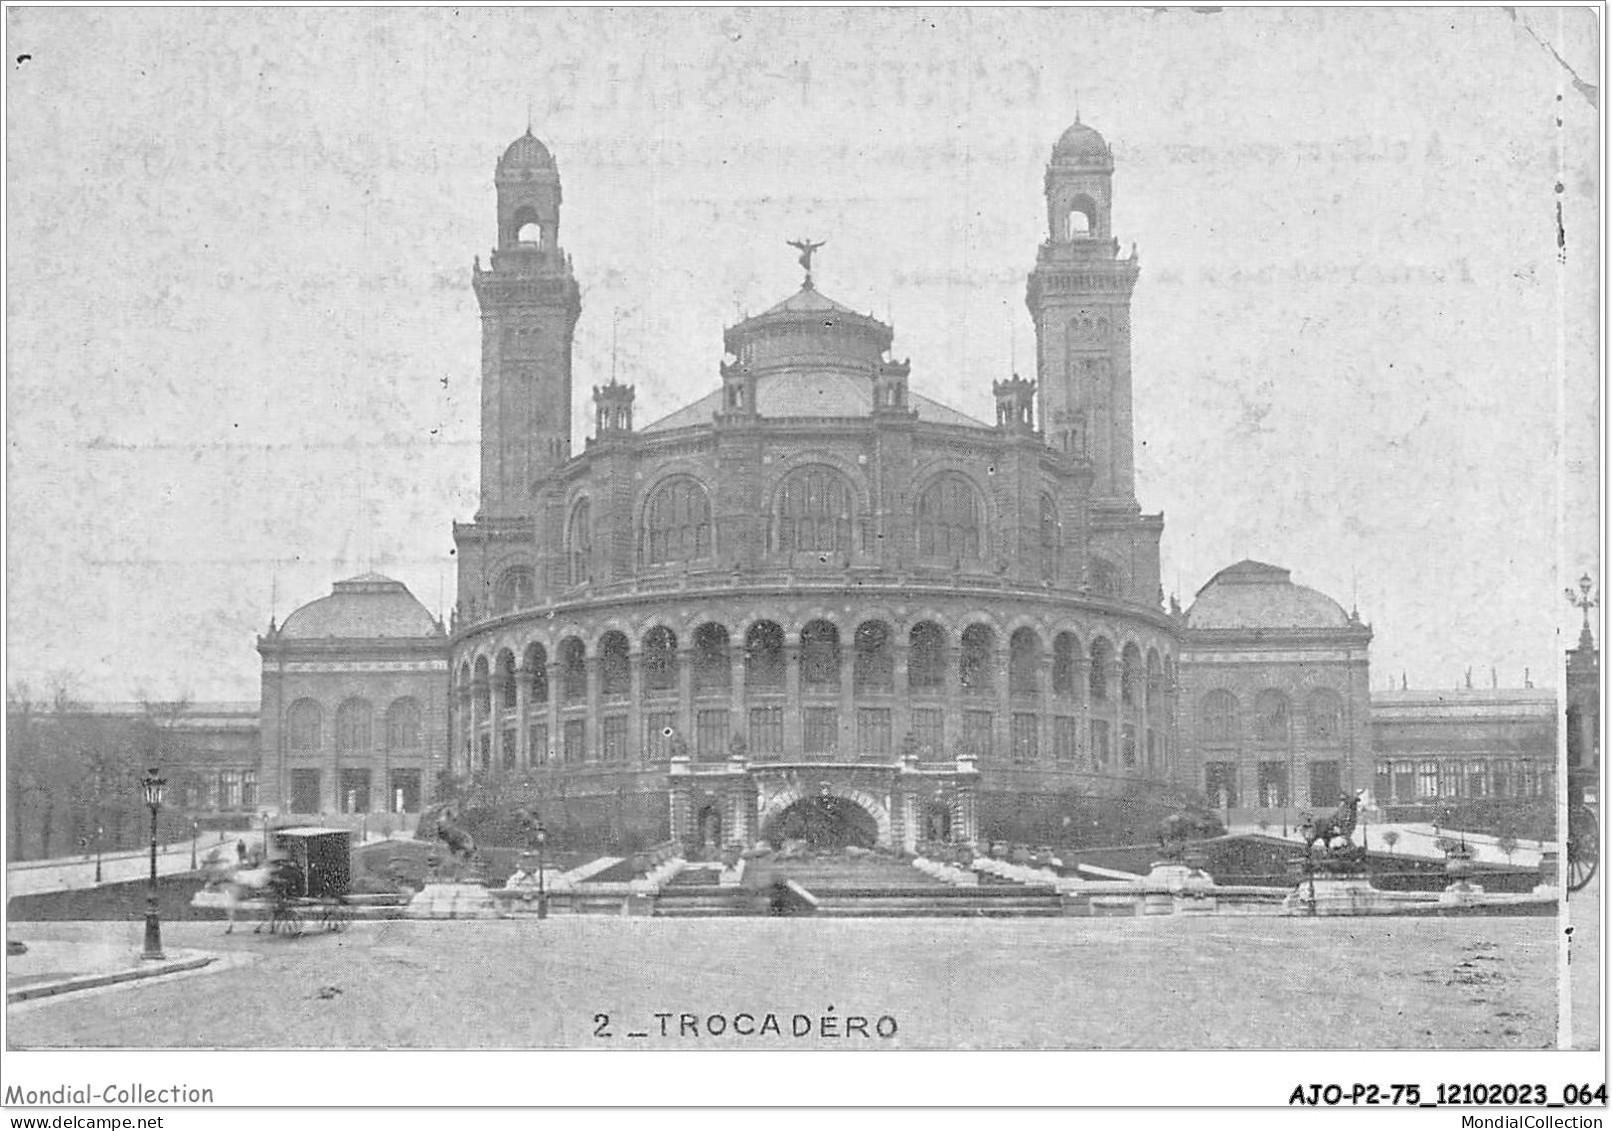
[100, 833]
[195, 834]
[151, 789]
[541, 836]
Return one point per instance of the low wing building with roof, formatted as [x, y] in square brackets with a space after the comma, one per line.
[354, 702]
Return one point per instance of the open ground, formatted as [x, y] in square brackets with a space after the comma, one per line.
[1177, 982]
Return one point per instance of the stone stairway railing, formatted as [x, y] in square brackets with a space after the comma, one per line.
[945, 873]
[660, 875]
[1023, 874]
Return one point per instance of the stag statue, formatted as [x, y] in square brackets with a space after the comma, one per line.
[1336, 825]
[461, 845]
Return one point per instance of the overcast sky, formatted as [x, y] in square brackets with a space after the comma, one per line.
[243, 350]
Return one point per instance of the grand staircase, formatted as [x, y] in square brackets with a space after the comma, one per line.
[855, 887]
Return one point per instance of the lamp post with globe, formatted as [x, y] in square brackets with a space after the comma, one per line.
[151, 787]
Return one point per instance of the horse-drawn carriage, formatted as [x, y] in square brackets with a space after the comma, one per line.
[301, 884]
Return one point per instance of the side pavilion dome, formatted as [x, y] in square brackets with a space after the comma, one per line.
[1254, 595]
[368, 606]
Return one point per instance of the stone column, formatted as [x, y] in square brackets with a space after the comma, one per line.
[556, 735]
[637, 752]
[738, 719]
[678, 787]
[460, 732]
[965, 823]
[1116, 711]
[952, 699]
[1001, 704]
[478, 688]
[849, 748]
[1082, 711]
[523, 693]
[593, 742]
[901, 705]
[685, 698]
[1043, 708]
[794, 737]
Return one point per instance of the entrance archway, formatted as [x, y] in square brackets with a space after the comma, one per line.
[710, 827]
[824, 823]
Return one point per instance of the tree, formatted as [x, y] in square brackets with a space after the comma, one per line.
[1391, 838]
[1508, 845]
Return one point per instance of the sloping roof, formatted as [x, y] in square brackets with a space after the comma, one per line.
[812, 394]
[809, 301]
[365, 607]
[1254, 594]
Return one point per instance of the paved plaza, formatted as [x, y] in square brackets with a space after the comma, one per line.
[1176, 982]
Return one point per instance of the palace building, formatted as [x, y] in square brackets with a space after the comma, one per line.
[816, 597]
[814, 584]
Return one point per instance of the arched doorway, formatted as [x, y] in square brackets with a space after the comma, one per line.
[938, 821]
[824, 823]
[710, 827]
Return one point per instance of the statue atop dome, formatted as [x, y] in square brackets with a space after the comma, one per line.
[807, 249]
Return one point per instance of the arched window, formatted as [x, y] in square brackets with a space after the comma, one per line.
[506, 680]
[527, 229]
[677, 523]
[1102, 658]
[579, 544]
[875, 664]
[660, 660]
[976, 661]
[302, 724]
[764, 657]
[537, 670]
[1271, 716]
[713, 669]
[573, 670]
[353, 726]
[403, 724]
[514, 590]
[926, 657]
[615, 676]
[813, 512]
[482, 688]
[1065, 654]
[1218, 715]
[1105, 579]
[1049, 537]
[1081, 219]
[820, 656]
[950, 523]
[1024, 663]
[1130, 674]
[1325, 715]
[1155, 682]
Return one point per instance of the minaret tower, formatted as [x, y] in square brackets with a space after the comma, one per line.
[529, 308]
[1080, 297]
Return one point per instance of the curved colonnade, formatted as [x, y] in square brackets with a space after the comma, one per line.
[1062, 685]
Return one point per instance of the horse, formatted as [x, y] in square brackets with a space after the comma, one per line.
[268, 880]
[1336, 825]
